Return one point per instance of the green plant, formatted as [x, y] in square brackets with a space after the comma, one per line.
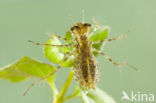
[27, 68]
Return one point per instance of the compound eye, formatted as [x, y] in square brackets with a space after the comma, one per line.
[72, 28]
[76, 27]
[87, 24]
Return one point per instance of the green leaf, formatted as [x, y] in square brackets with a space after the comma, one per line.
[25, 68]
[86, 99]
[69, 62]
[68, 35]
[69, 38]
[97, 96]
[100, 34]
[97, 46]
[56, 54]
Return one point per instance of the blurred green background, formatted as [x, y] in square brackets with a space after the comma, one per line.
[22, 20]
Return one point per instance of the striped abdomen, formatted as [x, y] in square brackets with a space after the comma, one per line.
[85, 67]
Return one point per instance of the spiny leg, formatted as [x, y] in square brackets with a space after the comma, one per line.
[65, 59]
[96, 23]
[58, 36]
[112, 39]
[65, 45]
[114, 63]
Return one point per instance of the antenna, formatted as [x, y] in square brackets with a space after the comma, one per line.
[83, 18]
[70, 17]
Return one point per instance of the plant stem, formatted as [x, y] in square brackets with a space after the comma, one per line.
[60, 97]
[74, 95]
[53, 87]
[66, 84]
